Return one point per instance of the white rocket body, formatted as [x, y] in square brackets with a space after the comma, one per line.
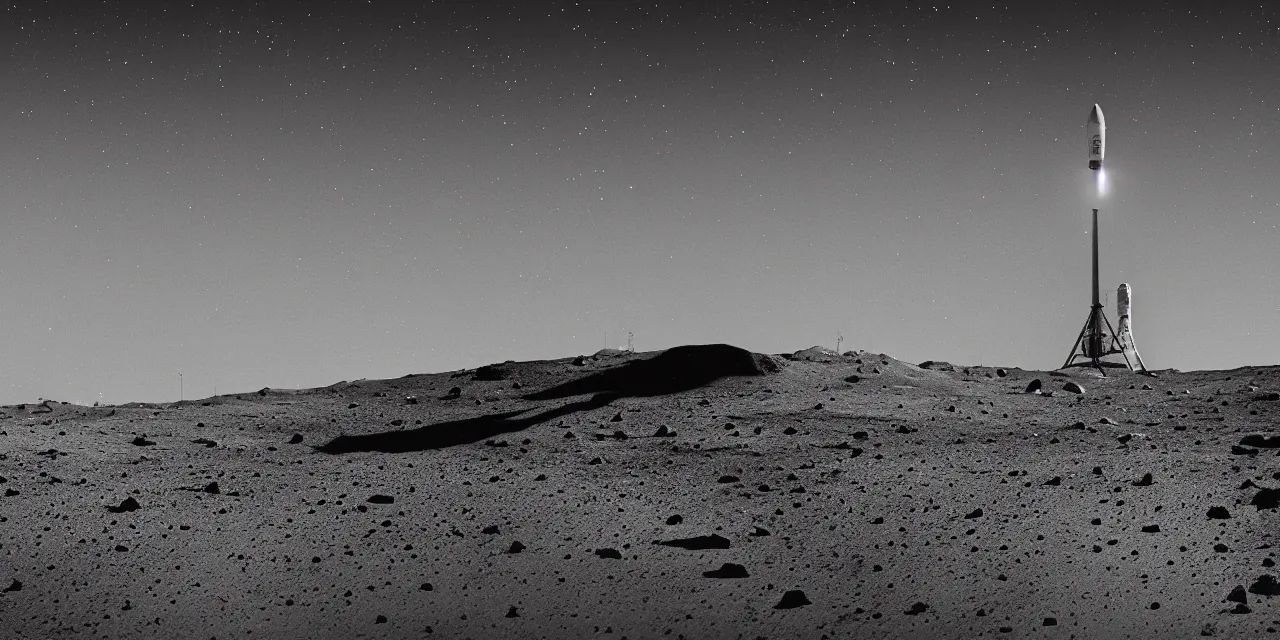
[1124, 331]
[1097, 133]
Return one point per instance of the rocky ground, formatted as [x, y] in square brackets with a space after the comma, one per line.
[701, 492]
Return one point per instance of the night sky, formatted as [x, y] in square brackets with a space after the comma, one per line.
[290, 194]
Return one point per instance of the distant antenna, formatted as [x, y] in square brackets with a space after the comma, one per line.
[839, 340]
[179, 386]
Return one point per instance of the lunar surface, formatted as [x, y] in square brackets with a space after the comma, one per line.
[701, 492]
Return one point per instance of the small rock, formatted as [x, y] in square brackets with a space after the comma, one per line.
[727, 479]
[1243, 451]
[675, 520]
[1238, 595]
[1218, 513]
[16, 585]
[976, 513]
[1054, 481]
[1151, 528]
[516, 547]
[727, 570]
[759, 532]
[1265, 585]
[1033, 386]
[212, 488]
[1073, 387]
[491, 530]
[1050, 622]
[1000, 373]
[613, 554]
[513, 613]
[579, 361]
[128, 504]
[142, 441]
[917, 609]
[296, 439]
[617, 417]
[792, 599]
[378, 498]
[1145, 481]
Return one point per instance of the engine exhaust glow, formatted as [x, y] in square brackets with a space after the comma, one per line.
[1101, 179]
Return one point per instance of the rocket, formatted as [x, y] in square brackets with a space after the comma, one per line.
[1124, 334]
[1097, 130]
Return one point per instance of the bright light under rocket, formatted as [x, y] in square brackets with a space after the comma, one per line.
[1097, 138]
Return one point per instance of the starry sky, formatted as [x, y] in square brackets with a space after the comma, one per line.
[290, 194]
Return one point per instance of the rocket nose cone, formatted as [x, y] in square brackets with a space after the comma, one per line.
[1095, 115]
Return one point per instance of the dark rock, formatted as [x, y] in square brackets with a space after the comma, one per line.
[212, 488]
[698, 543]
[792, 599]
[727, 479]
[490, 373]
[378, 498]
[454, 392]
[1243, 451]
[1050, 622]
[1151, 528]
[917, 609]
[1238, 595]
[16, 585]
[1266, 498]
[1000, 373]
[1269, 396]
[491, 530]
[613, 554]
[1265, 585]
[142, 441]
[380, 620]
[1145, 481]
[1073, 387]
[1032, 386]
[759, 532]
[353, 405]
[579, 361]
[1218, 513]
[791, 431]
[853, 378]
[675, 519]
[662, 432]
[976, 513]
[937, 365]
[617, 417]
[411, 400]
[205, 441]
[296, 439]
[516, 547]
[1259, 440]
[1125, 438]
[727, 570]
[128, 504]
[1054, 481]
[513, 613]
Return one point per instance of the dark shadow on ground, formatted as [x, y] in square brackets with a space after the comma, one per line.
[455, 432]
[674, 370]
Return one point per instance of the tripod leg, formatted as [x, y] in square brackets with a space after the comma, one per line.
[1115, 341]
[1072, 356]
